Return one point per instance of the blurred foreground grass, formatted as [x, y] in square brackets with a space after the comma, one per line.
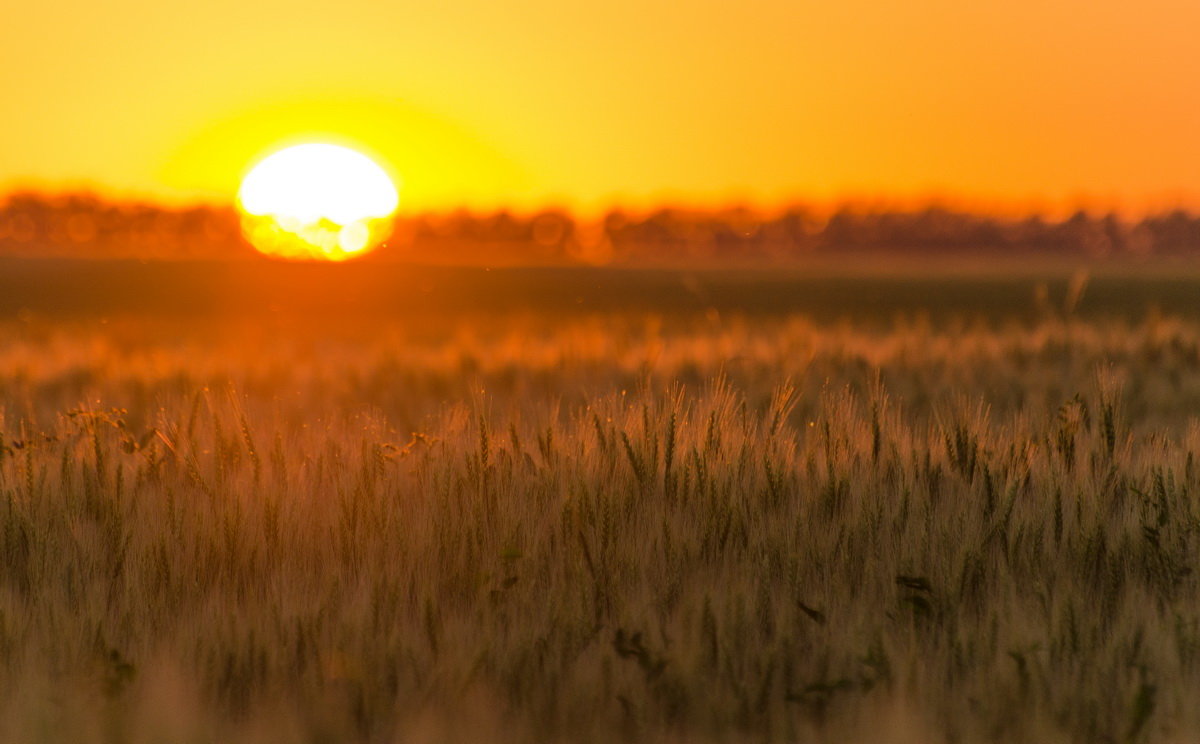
[708, 524]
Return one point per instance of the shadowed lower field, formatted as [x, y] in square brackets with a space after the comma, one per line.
[734, 520]
[407, 292]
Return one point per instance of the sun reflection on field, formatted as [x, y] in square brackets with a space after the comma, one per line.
[317, 201]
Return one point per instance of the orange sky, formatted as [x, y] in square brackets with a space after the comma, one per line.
[483, 102]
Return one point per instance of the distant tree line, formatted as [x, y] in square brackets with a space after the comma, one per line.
[86, 226]
[34, 225]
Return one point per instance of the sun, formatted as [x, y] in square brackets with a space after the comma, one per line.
[317, 201]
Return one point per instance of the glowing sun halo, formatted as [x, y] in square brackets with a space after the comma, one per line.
[316, 201]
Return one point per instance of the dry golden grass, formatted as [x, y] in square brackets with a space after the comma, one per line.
[600, 529]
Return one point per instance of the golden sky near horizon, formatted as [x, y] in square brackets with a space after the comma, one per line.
[487, 103]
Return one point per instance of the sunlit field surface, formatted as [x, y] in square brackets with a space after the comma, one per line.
[301, 504]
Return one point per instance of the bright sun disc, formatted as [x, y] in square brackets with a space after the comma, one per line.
[316, 201]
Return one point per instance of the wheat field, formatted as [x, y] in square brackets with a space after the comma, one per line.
[600, 527]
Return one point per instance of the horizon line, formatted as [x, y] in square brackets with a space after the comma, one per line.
[881, 202]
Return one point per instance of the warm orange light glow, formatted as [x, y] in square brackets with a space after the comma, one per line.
[316, 201]
[1014, 103]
